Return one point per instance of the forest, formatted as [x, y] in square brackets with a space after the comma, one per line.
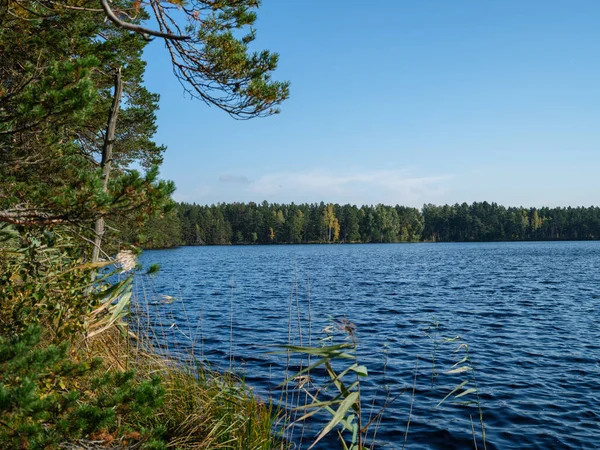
[273, 223]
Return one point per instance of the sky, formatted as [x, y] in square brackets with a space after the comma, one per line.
[402, 102]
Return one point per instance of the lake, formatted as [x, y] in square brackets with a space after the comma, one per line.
[529, 312]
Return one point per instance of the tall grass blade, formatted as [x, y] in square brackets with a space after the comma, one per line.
[338, 417]
[452, 392]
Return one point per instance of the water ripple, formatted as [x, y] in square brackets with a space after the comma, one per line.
[529, 312]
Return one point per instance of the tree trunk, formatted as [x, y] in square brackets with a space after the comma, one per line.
[106, 162]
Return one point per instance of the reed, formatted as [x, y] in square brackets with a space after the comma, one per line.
[334, 388]
[202, 407]
[463, 392]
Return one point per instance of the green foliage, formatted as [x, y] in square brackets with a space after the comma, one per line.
[216, 64]
[50, 393]
[162, 230]
[45, 397]
[343, 376]
[492, 222]
[41, 282]
[55, 96]
[265, 223]
[44, 280]
[249, 223]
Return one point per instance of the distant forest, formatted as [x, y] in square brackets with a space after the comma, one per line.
[273, 223]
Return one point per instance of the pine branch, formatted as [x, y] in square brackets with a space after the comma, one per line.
[137, 28]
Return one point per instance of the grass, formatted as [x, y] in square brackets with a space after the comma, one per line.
[72, 371]
[201, 408]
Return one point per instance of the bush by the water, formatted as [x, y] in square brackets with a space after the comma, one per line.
[71, 369]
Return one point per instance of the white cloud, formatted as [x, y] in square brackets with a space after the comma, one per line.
[359, 187]
[200, 195]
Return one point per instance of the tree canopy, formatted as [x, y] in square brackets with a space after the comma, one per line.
[274, 223]
[58, 60]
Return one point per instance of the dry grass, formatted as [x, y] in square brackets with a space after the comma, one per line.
[202, 408]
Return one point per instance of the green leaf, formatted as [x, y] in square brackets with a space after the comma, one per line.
[328, 351]
[466, 392]
[337, 418]
[335, 401]
[343, 373]
[361, 371]
[452, 392]
[459, 370]
[465, 359]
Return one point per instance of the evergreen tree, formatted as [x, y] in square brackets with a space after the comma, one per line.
[310, 223]
[58, 65]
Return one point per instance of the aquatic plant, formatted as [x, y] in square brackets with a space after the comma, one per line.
[343, 375]
[466, 388]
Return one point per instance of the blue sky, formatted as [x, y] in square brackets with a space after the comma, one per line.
[403, 102]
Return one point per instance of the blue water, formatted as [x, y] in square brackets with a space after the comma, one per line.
[529, 312]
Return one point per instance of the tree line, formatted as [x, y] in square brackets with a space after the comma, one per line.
[274, 223]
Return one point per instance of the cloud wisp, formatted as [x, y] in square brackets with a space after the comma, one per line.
[228, 178]
[364, 187]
